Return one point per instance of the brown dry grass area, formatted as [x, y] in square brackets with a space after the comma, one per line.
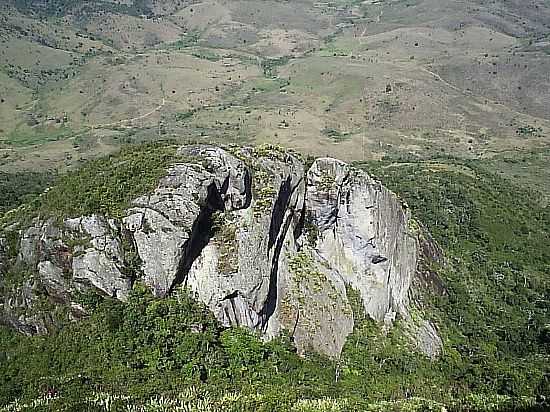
[424, 78]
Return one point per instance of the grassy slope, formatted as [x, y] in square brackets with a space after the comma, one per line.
[494, 319]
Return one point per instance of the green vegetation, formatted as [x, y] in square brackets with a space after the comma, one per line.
[151, 352]
[152, 347]
[269, 66]
[38, 136]
[20, 187]
[63, 7]
[171, 354]
[334, 134]
[225, 233]
[187, 40]
[497, 243]
[528, 130]
[104, 185]
[183, 116]
[206, 54]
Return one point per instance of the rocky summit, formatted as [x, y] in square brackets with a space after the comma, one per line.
[263, 238]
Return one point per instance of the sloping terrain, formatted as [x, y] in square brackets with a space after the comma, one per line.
[137, 274]
[426, 77]
[489, 301]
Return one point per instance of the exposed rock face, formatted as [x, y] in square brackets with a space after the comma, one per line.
[173, 224]
[363, 235]
[262, 242]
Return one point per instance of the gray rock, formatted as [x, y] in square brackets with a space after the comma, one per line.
[362, 234]
[172, 225]
[425, 336]
[53, 279]
[39, 242]
[236, 275]
[21, 309]
[314, 305]
[99, 258]
[249, 233]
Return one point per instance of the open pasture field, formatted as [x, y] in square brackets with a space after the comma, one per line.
[357, 80]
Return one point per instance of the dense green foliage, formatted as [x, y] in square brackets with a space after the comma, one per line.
[493, 317]
[148, 347]
[20, 187]
[105, 185]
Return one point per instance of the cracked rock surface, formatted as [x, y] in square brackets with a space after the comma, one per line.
[261, 241]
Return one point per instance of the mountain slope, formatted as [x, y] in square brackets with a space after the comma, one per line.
[491, 308]
[391, 77]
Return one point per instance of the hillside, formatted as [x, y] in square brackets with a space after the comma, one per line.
[487, 294]
[390, 77]
[275, 205]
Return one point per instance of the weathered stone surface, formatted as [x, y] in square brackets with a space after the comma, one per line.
[39, 242]
[172, 224]
[99, 260]
[18, 310]
[423, 333]
[363, 235]
[53, 279]
[242, 289]
[314, 305]
[263, 243]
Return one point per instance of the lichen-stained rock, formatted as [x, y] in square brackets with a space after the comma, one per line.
[237, 273]
[41, 241]
[262, 242]
[21, 309]
[57, 259]
[424, 335]
[315, 306]
[172, 225]
[54, 280]
[362, 233]
[232, 176]
[98, 257]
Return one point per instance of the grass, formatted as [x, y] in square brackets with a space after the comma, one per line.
[28, 137]
[187, 40]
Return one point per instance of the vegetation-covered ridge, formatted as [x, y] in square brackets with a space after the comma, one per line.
[105, 185]
[171, 354]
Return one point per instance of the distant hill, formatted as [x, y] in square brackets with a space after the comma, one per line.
[391, 77]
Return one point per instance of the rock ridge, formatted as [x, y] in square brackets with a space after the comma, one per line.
[263, 242]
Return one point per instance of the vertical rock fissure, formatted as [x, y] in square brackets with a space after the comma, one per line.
[247, 189]
[276, 239]
[201, 233]
[278, 212]
[271, 301]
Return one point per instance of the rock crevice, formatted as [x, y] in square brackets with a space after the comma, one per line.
[262, 242]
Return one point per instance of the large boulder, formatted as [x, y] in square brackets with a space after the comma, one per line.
[262, 242]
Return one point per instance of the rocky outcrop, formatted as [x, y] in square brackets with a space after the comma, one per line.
[262, 242]
[361, 232]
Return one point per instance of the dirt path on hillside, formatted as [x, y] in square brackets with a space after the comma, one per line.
[131, 120]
